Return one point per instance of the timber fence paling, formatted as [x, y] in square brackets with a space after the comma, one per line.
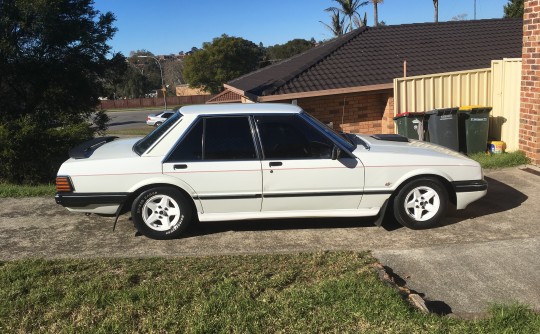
[154, 102]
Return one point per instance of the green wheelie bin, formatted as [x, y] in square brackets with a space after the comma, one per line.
[473, 128]
[443, 127]
[410, 125]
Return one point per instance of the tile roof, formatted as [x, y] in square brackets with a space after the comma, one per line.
[375, 55]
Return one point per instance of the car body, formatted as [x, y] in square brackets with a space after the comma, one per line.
[158, 118]
[250, 161]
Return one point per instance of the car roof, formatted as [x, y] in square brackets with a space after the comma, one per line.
[240, 108]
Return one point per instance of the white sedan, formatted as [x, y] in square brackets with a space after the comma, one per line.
[251, 161]
[158, 118]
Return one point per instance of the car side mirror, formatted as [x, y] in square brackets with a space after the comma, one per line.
[336, 152]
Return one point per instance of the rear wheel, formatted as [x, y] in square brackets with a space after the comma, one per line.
[161, 213]
[421, 203]
[156, 124]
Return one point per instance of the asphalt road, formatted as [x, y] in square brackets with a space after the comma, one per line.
[487, 253]
[128, 119]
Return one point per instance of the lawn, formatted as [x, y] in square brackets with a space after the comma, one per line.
[491, 161]
[327, 292]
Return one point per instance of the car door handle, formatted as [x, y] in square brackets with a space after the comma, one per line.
[182, 166]
[275, 163]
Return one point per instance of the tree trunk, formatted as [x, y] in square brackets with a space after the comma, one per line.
[436, 5]
[375, 14]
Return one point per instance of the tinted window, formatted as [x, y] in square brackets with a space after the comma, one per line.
[190, 148]
[290, 137]
[228, 138]
[225, 138]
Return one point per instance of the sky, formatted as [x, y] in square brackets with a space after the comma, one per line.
[171, 26]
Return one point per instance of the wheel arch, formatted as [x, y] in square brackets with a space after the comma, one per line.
[177, 184]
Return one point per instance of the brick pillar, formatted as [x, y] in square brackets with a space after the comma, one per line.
[529, 116]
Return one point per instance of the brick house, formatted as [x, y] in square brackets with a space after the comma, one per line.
[348, 81]
[529, 127]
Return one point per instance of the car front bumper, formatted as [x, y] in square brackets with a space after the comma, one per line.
[468, 192]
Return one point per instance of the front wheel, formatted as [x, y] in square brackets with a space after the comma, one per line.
[161, 213]
[421, 203]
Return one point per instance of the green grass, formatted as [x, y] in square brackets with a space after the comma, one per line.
[502, 160]
[14, 190]
[302, 293]
[140, 131]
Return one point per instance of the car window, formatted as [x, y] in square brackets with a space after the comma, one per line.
[145, 143]
[228, 138]
[291, 137]
[216, 138]
[167, 114]
[190, 148]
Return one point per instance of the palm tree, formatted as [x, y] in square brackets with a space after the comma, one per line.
[376, 11]
[436, 5]
[336, 26]
[349, 9]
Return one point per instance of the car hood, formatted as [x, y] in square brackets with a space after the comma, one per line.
[413, 152]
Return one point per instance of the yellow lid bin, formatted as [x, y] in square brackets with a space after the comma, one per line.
[496, 146]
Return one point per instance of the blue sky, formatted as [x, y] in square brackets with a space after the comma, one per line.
[170, 26]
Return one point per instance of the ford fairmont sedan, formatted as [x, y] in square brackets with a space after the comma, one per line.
[251, 161]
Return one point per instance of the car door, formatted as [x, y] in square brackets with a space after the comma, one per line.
[218, 159]
[298, 170]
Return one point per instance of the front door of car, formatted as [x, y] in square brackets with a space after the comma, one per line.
[298, 170]
[218, 159]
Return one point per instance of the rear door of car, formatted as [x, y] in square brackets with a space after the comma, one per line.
[298, 170]
[217, 157]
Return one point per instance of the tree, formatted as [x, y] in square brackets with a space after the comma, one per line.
[436, 5]
[221, 60]
[460, 17]
[54, 64]
[289, 49]
[514, 8]
[337, 25]
[376, 11]
[349, 9]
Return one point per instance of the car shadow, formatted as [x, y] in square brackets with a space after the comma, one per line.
[207, 228]
[500, 197]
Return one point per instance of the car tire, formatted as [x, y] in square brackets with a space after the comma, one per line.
[156, 124]
[421, 203]
[161, 213]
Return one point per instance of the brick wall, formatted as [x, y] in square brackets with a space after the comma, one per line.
[529, 127]
[367, 113]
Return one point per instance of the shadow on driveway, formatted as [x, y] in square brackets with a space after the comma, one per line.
[499, 198]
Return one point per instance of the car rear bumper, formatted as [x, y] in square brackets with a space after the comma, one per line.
[102, 203]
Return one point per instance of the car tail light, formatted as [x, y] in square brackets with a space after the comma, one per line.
[63, 184]
[147, 118]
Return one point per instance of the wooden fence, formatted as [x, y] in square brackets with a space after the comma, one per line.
[154, 102]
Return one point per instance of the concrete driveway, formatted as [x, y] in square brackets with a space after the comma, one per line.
[487, 253]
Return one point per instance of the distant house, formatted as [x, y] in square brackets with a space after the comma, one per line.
[348, 81]
[185, 90]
